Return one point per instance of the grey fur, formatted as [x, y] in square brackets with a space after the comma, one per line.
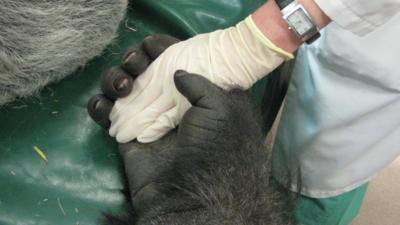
[42, 41]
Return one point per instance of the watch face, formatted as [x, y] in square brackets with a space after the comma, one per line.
[300, 22]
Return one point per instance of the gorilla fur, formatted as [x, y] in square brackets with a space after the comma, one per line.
[226, 183]
[44, 41]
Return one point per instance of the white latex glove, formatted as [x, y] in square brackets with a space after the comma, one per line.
[235, 57]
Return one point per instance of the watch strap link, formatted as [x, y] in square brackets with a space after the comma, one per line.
[283, 3]
[313, 38]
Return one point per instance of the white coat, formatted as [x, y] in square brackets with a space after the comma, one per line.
[341, 120]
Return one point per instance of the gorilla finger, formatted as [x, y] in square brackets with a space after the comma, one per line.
[116, 83]
[156, 44]
[135, 60]
[198, 90]
[99, 108]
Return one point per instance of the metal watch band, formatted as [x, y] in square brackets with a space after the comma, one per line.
[283, 3]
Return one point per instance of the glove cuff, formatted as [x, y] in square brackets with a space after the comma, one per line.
[257, 33]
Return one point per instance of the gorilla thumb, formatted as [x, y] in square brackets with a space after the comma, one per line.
[197, 89]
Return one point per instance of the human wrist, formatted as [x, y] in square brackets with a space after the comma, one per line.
[269, 19]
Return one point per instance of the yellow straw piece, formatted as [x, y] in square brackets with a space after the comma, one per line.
[40, 153]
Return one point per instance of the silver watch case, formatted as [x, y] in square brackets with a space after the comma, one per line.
[299, 21]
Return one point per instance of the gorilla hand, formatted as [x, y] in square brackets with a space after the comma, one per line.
[118, 81]
[216, 115]
[214, 133]
[214, 170]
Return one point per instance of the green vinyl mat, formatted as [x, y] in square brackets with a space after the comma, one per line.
[82, 176]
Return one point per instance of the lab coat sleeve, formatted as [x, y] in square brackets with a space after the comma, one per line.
[360, 16]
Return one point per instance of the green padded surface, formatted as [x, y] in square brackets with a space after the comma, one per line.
[82, 177]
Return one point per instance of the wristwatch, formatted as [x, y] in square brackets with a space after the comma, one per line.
[299, 20]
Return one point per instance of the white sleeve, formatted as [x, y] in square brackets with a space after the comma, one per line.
[360, 16]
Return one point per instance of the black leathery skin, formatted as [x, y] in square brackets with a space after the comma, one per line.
[116, 83]
[156, 44]
[135, 60]
[99, 108]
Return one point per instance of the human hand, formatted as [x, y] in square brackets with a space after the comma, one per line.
[234, 57]
[117, 82]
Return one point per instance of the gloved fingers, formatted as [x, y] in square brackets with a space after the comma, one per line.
[135, 60]
[154, 45]
[161, 126]
[198, 90]
[116, 83]
[144, 92]
[99, 108]
[128, 128]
